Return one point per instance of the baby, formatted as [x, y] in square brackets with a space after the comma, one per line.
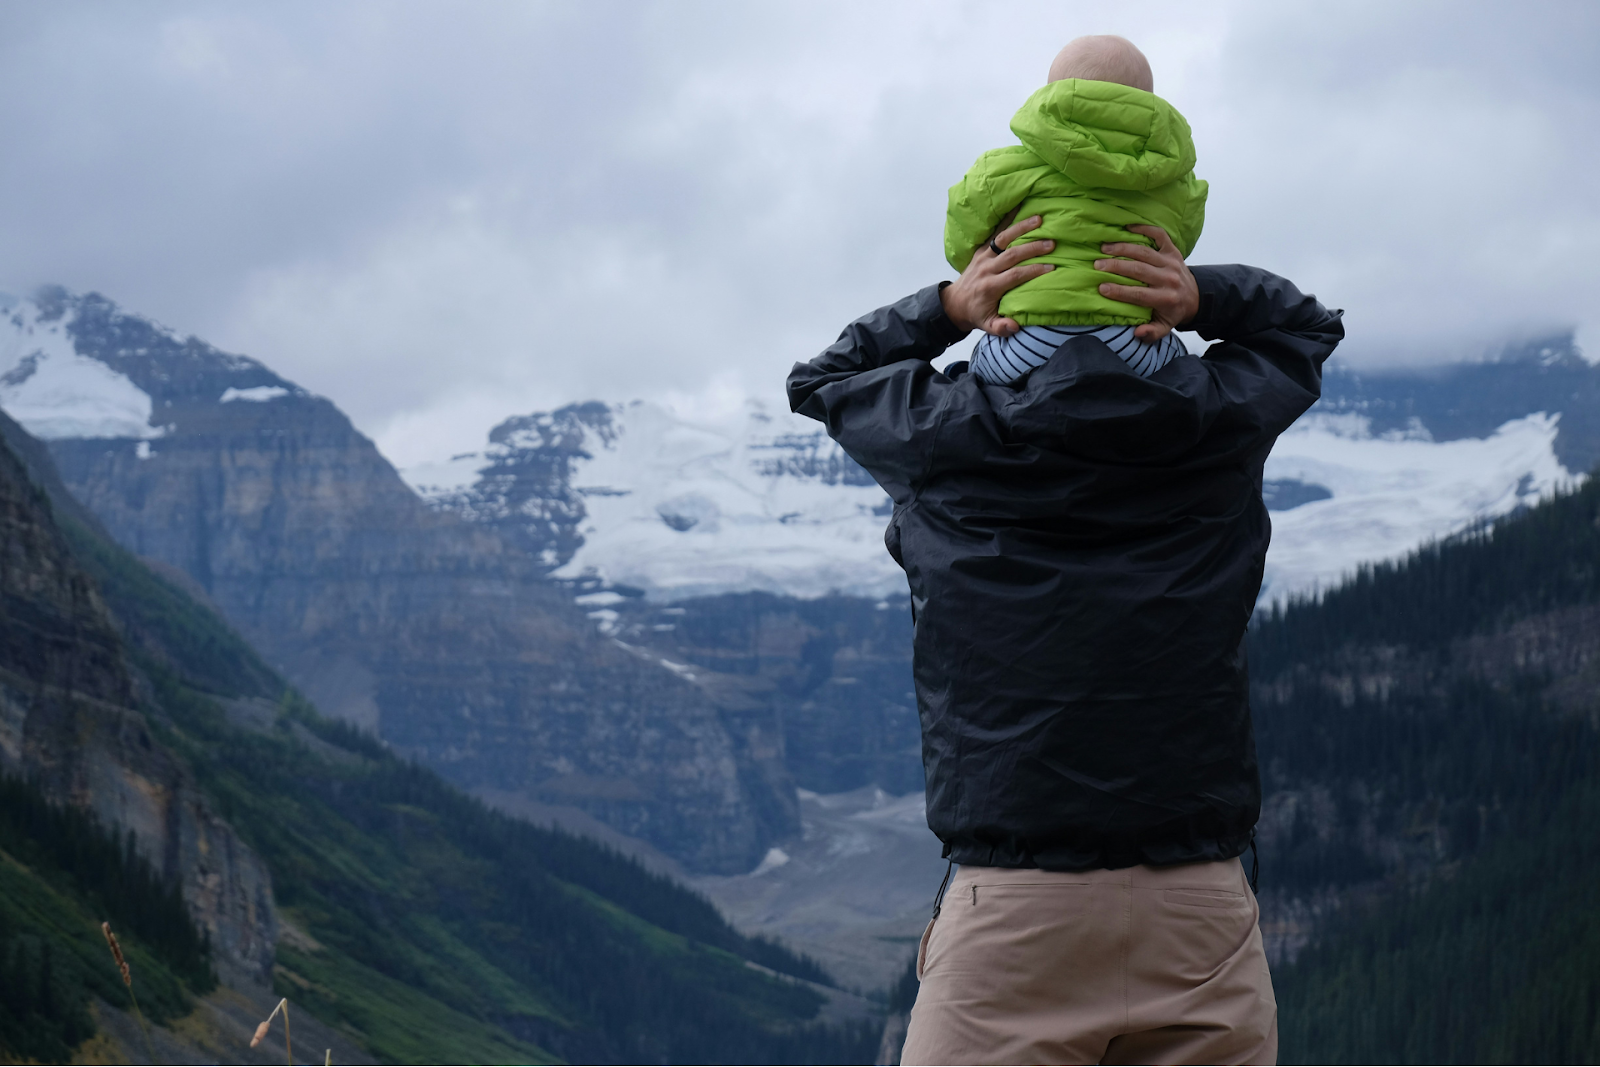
[1100, 152]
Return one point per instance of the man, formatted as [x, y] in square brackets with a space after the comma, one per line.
[1084, 547]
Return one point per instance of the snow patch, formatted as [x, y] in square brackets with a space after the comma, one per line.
[680, 507]
[256, 394]
[1396, 492]
[756, 499]
[775, 858]
[710, 508]
[682, 670]
[445, 477]
[54, 392]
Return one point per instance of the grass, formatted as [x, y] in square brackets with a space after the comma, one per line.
[39, 912]
[391, 1019]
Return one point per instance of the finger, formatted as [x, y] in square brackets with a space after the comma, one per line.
[1143, 253]
[1028, 271]
[1017, 253]
[1151, 331]
[1156, 234]
[1017, 229]
[1138, 270]
[1131, 294]
[989, 245]
[1000, 326]
[1005, 281]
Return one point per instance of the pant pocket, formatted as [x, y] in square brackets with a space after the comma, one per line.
[922, 947]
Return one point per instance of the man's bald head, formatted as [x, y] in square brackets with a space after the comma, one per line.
[1103, 58]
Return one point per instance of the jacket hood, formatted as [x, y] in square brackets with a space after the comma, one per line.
[1106, 136]
[1087, 404]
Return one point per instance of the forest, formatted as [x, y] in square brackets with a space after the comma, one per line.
[1481, 944]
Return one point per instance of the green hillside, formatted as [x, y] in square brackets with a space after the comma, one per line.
[426, 926]
[1499, 963]
[1491, 954]
[61, 875]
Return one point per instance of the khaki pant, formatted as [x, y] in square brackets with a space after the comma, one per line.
[1142, 965]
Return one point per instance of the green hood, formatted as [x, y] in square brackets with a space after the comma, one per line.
[1095, 158]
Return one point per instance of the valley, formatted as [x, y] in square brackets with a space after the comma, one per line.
[373, 724]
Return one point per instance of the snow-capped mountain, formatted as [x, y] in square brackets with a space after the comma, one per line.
[77, 368]
[636, 495]
[434, 633]
[639, 496]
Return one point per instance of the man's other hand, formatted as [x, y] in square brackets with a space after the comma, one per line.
[1169, 290]
[972, 301]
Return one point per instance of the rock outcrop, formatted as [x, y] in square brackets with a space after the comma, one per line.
[71, 721]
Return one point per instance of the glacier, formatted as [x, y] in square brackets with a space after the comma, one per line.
[680, 505]
[54, 391]
[1393, 492]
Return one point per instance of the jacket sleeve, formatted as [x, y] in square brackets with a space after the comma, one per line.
[995, 186]
[1268, 368]
[876, 392]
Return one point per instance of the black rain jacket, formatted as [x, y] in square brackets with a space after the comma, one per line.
[1084, 549]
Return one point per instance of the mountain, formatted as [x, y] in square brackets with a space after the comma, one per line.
[758, 501]
[599, 493]
[1430, 735]
[71, 725]
[697, 553]
[157, 772]
[637, 497]
[434, 632]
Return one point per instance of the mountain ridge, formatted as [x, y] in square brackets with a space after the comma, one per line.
[427, 629]
[399, 910]
[682, 505]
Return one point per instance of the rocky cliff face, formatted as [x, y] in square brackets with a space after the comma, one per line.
[70, 720]
[428, 630]
[834, 674]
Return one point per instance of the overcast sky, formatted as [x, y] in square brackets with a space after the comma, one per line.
[442, 214]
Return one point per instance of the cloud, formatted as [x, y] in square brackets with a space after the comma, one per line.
[441, 215]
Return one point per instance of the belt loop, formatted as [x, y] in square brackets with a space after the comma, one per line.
[938, 898]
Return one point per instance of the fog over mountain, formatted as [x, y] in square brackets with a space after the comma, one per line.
[444, 217]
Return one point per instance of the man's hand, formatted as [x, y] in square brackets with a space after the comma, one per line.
[1169, 289]
[972, 301]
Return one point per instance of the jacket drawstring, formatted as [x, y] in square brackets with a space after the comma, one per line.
[938, 898]
[1255, 868]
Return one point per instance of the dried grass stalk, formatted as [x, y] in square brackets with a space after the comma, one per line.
[127, 980]
[261, 1031]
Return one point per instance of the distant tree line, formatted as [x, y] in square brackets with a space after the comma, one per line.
[1547, 557]
[1490, 953]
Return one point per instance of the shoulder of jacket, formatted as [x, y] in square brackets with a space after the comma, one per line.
[1008, 160]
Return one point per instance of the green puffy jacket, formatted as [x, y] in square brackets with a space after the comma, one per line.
[1095, 158]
